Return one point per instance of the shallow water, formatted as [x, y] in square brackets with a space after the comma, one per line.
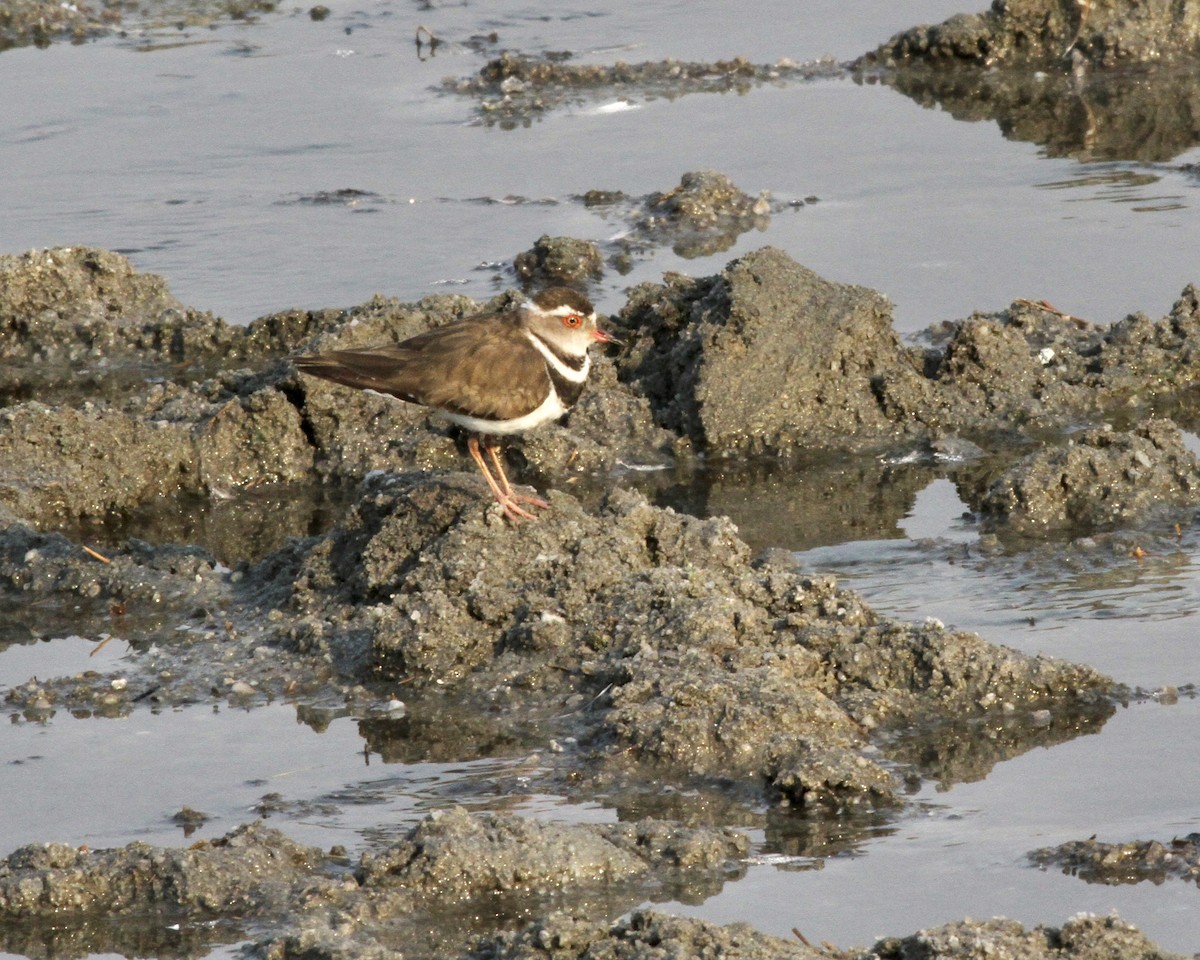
[1129, 617]
[191, 155]
[192, 158]
[959, 850]
[961, 854]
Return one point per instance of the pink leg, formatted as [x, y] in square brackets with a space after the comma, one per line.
[492, 452]
[506, 500]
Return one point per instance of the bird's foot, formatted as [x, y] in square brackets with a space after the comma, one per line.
[532, 501]
[516, 513]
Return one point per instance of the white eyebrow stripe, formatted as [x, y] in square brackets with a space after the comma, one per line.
[574, 376]
[563, 310]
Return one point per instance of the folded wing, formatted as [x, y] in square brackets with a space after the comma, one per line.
[486, 369]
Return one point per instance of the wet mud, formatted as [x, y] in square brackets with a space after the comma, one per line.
[704, 214]
[1100, 478]
[1081, 936]
[769, 359]
[558, 260]
[640, 935]
[451, 862]
[42, 22]
[653, 660]
[1045, 32]
[267, 537]
[1095, 81]
[514, 89]
[323, 904]
[1096, 861]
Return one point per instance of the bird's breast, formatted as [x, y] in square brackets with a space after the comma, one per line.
[550, 409]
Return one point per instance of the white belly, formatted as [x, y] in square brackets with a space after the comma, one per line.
[551, 409]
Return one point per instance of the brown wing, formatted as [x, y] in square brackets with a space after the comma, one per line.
[480, 368]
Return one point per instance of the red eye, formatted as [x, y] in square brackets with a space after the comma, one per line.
[572, 320]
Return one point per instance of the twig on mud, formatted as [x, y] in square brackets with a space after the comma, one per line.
[1051, 308]
[103, 643]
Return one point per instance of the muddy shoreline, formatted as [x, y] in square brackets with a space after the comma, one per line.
[638, 647]
[170, 481]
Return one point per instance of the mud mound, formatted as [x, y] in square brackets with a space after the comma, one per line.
[766, 358]
[412, 888]
[694, 658]
[558, 260]
[39, 22]
[248, 871]
[646, 934]
[104, 330]
[460, 855]
[58, 462]
[91, 296]
[1101, 479]
[1105, 32]
[1083, 937]
[643, 935]
[1095, 861]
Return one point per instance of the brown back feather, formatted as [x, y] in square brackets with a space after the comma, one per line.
[479, 367]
